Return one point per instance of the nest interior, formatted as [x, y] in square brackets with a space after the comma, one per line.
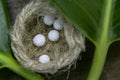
[28, 23]
[50, 48]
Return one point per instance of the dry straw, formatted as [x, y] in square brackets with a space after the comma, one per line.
[29, 23]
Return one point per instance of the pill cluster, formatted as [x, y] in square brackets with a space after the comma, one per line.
[39, 40]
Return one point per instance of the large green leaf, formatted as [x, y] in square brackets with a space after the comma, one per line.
[116, 21]
[99, 21]
[84, 16]
[88, 17]
[4, 23]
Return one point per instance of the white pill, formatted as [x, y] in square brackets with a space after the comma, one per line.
[53, 35]
[57, 25]
[44, 59]
[48, 20]
[39, 40]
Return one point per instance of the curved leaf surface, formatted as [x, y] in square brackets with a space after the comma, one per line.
[99, 21]
[116, 22]
[88, 17]
[4, 23]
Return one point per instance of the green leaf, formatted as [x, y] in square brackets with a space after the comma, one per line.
[87, 16]
[99, 21]
[4, 23]
[116, 22]
[84, 14]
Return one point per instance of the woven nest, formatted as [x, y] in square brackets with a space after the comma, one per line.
[28, 23]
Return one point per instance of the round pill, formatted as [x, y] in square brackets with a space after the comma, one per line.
[57, 25]
[48, 20]
[53, 35]
[44, 59]
[39, 40]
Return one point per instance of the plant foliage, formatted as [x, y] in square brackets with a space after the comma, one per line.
[99, 21]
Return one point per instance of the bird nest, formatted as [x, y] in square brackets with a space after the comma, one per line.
[29, 22]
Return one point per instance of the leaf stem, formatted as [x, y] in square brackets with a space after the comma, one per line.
[103, 43]
[10, 63]
[98, 62]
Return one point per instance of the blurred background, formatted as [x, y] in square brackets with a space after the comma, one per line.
[112, 66]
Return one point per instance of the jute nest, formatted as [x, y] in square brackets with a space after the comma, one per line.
[28, 23]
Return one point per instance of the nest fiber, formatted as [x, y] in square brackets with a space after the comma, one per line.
[29, 22]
